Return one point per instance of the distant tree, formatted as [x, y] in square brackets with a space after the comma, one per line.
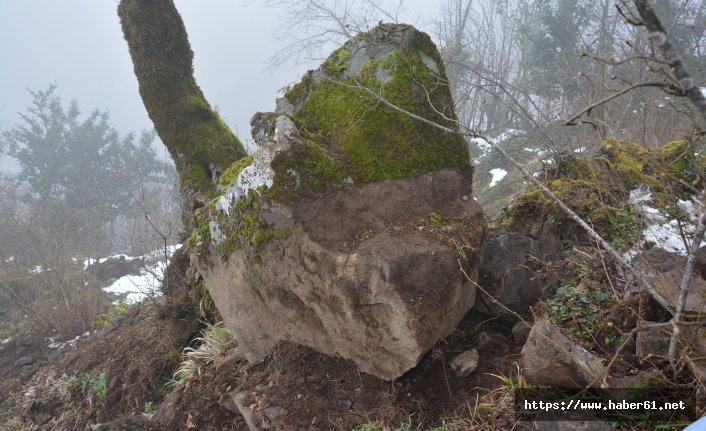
[77, 172]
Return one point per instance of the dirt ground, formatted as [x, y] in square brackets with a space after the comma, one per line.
[120, 370]
[312, 391]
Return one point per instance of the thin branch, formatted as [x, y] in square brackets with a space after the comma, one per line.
[529, 177]
[572, 121]
[684, 288]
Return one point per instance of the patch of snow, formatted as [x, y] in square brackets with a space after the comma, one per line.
[580, 150]
[52, 343]
[640, 194]
[498, 174]
[37, 269]
[135, 288]
[6, 340]
[662, 231]
[485, 147]
[90, 261]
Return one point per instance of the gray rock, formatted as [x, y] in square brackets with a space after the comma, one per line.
[665, 271]
[226, 401]
[508, 270]
[463, 364]
[41, 418]
[382, 303]
[358, 267]
[167, 410]
[652, 344]
[520, 332]
[247, 413]
[23, 361]
[551, 358]
[274, 414]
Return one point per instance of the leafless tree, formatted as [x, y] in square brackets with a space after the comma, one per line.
[310, 28]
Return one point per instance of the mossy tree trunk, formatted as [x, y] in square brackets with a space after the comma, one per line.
[200, 143]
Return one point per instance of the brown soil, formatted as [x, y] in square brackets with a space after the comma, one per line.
[319, 392]
[137, 356]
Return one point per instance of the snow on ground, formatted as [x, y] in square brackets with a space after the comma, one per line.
[90, 261]
[53, 344]
[661, 230]
[485, 147]
[6, 340]
[136, 288]
[498, 174]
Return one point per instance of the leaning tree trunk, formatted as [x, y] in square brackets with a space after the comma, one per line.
[198, 140]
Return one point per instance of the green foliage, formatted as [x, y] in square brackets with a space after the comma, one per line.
[150, 408]
[88, 385]
[77, 171]
[112, 316]
[597, 188]
[551, 31]
[576, 308]
[438, 219]
[231, 174]
[338, 61]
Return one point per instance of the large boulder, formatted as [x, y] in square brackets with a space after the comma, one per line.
[349, 227]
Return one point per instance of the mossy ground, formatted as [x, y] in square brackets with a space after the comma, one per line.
[597, 188]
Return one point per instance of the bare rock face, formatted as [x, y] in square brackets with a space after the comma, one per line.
[509, 270]
[349, 227]
[665, 271]
[552, 359]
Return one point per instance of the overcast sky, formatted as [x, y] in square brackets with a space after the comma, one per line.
[79, 45]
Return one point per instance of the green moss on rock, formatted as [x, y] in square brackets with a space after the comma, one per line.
[363, 139]
[231, 174]
[242, 227]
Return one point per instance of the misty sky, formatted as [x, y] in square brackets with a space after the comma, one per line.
[79, 45]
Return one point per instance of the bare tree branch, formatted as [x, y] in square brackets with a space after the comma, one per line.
[658, 35]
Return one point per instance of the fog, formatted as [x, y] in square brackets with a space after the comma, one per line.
[78, 44]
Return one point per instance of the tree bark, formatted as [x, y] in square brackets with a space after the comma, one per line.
[200, 143]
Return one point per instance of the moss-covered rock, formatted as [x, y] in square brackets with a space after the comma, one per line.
[355, 135]
[345, 229]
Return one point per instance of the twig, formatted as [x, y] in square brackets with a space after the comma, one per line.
[684, 288]
[571, 121]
